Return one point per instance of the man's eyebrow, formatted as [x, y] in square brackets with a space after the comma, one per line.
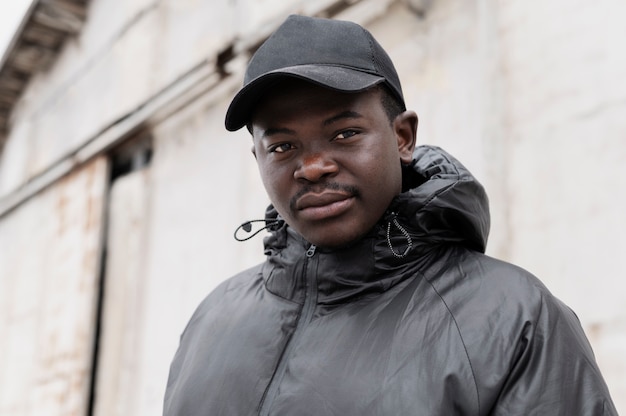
[271, 131]
[341, 116]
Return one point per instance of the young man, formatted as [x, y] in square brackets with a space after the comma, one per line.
[376, 297]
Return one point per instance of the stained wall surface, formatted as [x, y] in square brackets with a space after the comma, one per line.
[49, 285]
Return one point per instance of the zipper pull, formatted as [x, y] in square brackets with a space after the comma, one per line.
[311, 251]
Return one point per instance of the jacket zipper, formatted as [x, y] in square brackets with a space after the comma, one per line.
[308, 308]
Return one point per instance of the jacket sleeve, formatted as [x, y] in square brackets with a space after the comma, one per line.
[553, 371]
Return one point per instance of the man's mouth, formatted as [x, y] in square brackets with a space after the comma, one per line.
[327, 204]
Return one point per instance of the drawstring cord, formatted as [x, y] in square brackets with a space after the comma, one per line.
[392, 219]
[270, 225]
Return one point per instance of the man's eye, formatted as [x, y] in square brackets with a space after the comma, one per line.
[280, 148]
[346, 134]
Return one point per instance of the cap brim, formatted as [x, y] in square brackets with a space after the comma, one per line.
[333, 77]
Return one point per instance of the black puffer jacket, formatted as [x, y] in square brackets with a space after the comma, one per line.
[444, 330]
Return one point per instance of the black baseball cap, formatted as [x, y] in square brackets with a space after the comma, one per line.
[335, 54]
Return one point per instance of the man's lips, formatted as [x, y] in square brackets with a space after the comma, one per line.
[318, 206]
[313, 200]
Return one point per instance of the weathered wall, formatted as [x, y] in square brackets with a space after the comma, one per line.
[565, 122]
[118, 369]
[127, 52]
[534, 108]
[49, 275]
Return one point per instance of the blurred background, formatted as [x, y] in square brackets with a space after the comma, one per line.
[120, 188]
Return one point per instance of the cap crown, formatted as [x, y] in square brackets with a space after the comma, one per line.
[303, 40]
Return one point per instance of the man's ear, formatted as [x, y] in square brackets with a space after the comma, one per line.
[405, 129]
[253, 150]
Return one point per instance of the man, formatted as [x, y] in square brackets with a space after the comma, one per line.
[375, 297]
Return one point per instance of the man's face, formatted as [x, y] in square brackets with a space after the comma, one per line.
[330, 161]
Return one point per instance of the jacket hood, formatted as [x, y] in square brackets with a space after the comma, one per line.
[441, 204]
[442, 201]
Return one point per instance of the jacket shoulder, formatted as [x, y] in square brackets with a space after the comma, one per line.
[226, 294]
[523, 344]
[472, 283]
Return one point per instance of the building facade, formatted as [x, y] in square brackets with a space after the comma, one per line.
[120, 188]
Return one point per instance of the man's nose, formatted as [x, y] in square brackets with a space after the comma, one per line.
[315, 167]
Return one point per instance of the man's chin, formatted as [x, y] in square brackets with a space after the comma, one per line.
[333, 239]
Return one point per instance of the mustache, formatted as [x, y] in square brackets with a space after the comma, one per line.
[318, 189]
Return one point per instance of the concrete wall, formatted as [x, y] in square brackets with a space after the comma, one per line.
[532, 104]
